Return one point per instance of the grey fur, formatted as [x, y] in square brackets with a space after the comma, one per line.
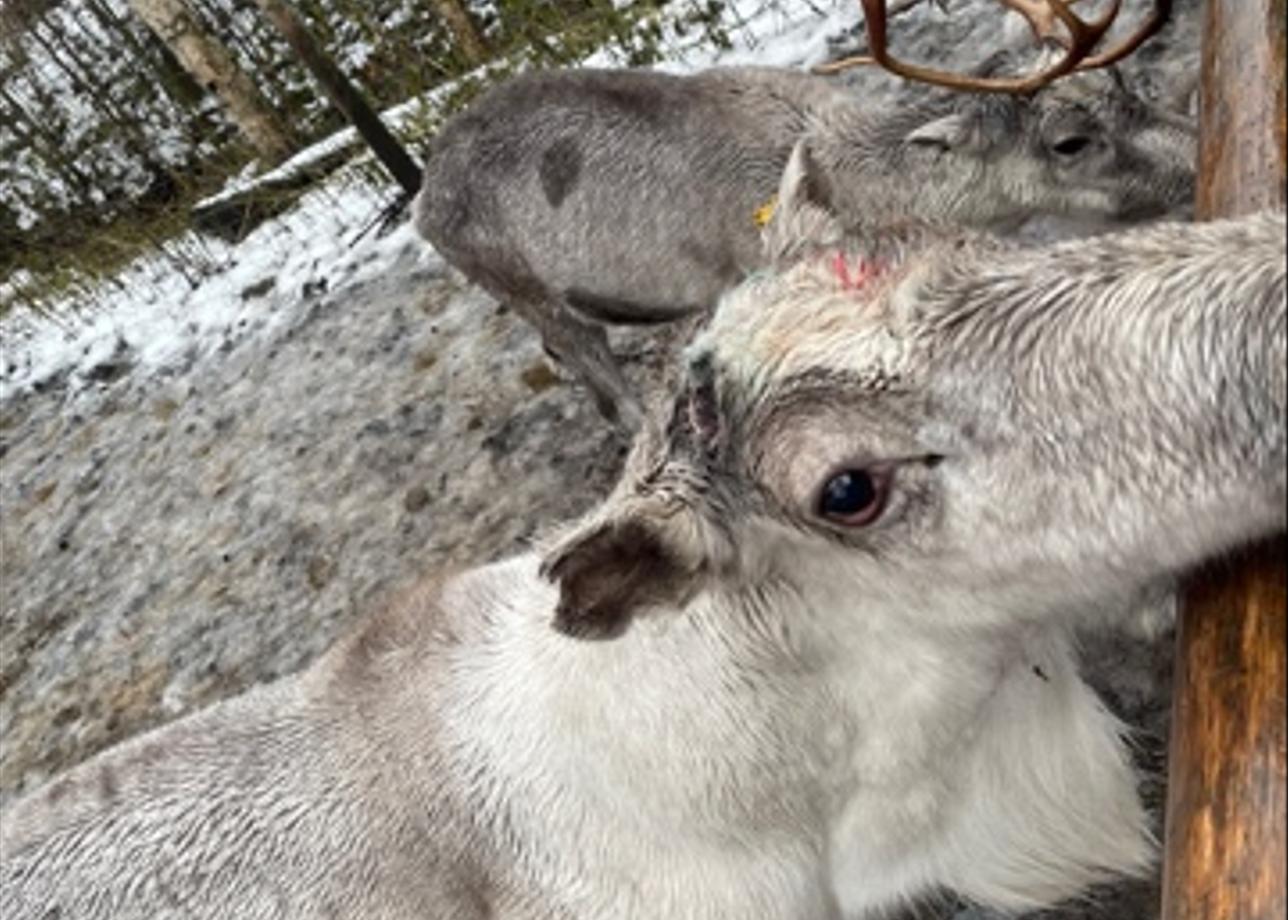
[589, 196]
[786, 717]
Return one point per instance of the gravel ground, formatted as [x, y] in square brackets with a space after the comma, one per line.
[169, 540]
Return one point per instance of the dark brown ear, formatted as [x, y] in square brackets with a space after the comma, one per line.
[610, 572]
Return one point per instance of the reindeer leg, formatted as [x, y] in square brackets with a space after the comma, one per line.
[582, 347]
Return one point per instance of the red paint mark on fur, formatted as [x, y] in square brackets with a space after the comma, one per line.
[853, 275]
[840, 269]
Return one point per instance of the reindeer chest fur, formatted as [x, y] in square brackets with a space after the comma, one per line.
[763, 775]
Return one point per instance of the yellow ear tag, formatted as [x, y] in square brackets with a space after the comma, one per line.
[765, 213]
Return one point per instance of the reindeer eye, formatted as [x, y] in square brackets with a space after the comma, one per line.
[1071, 145]
[854, 497]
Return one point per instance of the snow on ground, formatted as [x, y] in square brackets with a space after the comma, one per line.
[165, 308]
[177, 305]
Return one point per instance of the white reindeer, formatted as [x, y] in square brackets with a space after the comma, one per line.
[810, 659]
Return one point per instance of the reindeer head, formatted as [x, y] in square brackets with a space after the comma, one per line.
[927, 423]
[795, 451]
[1085, 147]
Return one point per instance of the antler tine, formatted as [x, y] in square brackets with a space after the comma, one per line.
[858, 60]
[1082, 39]
[1083, 35]
[1162, 12]
[1086, 35]
[1040, 18]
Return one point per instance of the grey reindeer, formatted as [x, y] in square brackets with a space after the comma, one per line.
[811, 658]
[582, 197]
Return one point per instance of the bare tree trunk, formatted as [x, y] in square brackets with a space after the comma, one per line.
[1228, 777]
[213, 67]
[344, 95]
[469, 40]
[175, 82]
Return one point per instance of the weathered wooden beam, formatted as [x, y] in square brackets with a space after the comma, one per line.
[1226, 820]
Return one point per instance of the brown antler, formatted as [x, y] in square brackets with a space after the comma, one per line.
[1043, 16]
[1042, 19]
[1082, 38]
[1162, 11]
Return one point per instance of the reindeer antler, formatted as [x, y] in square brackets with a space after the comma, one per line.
[1041, 17]
[1082, 38]
[1044, 14]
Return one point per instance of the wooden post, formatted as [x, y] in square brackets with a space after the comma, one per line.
[1225, 851]
[344, 95]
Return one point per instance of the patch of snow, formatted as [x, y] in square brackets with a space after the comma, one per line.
[355, 55]
[173, 308]
[775, 35]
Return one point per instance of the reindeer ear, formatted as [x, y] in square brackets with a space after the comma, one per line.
[803, 214]
[949, 132]
[614, 568]
[802, 183]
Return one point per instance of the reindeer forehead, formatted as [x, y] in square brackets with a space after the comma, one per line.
[829, 312]
[1088, 92]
